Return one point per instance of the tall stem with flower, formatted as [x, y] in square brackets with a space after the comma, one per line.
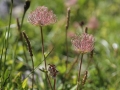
[41, 16]
[83, 44]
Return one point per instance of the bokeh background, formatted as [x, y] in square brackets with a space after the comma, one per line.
[102, 17]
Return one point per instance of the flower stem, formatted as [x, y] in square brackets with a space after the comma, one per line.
[49, 82]
[54, 83]
[79, 71]
[75, 61]
[32, 72]
[44, 58]
[43, 46]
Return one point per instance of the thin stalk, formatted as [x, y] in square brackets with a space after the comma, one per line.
[41, 62]
[66, 50]
[8, 31]
[73, 64]
[4, 43]
[7, 39]
[32, 72]
[31, 54]
[67, 25]
[21, 35]
[54, 83]
[22, 20]
[49, 81]
[90, 59]
[43, 47]
[26, 6]
[75, 61]
[47, 77]
[79, 71]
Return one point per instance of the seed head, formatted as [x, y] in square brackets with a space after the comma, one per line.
[83, 43]
[27, 5]
[42, 16]
[52, 70]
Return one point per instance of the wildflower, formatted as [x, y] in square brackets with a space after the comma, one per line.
[93, 23]
[42, 16]
[83, 43]
[52, 70]
[69, 3]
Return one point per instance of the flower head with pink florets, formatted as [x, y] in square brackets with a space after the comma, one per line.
[83, 43]
[41, 16]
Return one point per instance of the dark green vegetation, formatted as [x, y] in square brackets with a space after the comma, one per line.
[104, 68]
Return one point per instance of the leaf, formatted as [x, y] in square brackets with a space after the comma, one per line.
[24, 84]
[17, 78]
[19, 65]
[6, 76]
[74, 88]
[7, 72]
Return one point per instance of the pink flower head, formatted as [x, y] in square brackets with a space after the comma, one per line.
[83, 43]
[42, 16]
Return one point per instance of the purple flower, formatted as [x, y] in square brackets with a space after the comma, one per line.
[83, 43]
[42, 16]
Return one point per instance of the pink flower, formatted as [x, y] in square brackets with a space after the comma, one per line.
[83, 43]
[42, 16]
[69, 3]
[93, 23]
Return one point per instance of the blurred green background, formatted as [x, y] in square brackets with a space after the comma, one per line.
[102, 17]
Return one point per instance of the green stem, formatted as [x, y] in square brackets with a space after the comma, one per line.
[79, 71]
[7, 39]
[49, 81]
[54, 83]
[8, 31]
[47, 77]
[41, 62]
[75, 61]
[22, 37]
[66, 48]
[32, 72]
[2, 79]
[4, 43]
[43, 47]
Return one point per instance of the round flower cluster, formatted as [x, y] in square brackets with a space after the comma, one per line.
[83, 43]
[42, 16]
